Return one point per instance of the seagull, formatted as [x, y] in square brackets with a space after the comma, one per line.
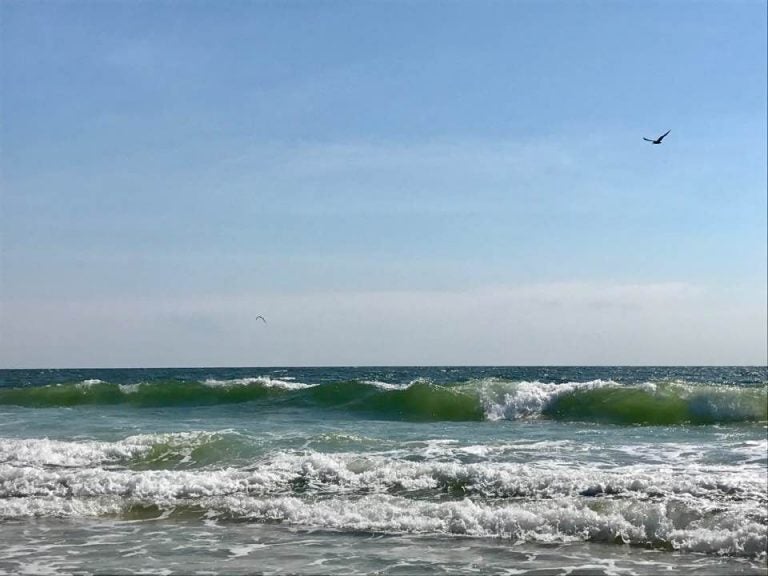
[658, 140]
[261, 318]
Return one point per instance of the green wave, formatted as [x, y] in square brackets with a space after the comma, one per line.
[154, 394]
[181, 451]
[667, 404]
[419, 402]
[598, 401]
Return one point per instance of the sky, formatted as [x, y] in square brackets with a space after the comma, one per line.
[386, 182]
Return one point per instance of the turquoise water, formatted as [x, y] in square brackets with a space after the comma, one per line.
[384, 470]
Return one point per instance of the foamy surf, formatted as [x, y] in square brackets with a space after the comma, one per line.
[586, 467]
[683, 507]
[670, 525]
[117, 469]
[266, 381]
[609, 401]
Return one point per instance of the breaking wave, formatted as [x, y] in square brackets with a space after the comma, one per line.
[698, 510]
[661, 403]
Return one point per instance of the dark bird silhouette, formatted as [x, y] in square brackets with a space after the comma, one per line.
[658, 140]
[261, 318]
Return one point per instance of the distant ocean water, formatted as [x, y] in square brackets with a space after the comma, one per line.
[385, 470]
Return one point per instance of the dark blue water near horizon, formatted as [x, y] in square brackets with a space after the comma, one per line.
[738, 375]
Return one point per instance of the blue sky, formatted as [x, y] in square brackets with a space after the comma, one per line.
[387, 182]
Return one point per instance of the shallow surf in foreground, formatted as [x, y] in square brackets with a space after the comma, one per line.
[412, 470]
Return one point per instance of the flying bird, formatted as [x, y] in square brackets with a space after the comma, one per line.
[261, 318]
[659, 139]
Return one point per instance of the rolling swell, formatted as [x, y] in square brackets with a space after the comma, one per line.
[158, 393]
[420, 401]
[664, 403]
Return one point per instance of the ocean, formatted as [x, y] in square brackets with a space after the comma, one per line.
[419, 470]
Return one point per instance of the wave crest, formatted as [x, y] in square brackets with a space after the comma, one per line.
[651, 403]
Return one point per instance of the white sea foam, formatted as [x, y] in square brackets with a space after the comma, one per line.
[30, 473]
[504, 400]
[72, 454]
[386, 385]
[266, 381]
[685, 504]
[45, 452]
[129, 388]
[508, 400]
[665, 523]
[697, 508]
[543, 521]
[753, 452]
[47, 507]
[85, 384]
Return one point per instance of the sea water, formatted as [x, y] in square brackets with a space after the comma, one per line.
[384, 470]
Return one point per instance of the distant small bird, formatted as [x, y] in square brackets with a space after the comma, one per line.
[659, 139]
[261, 318]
